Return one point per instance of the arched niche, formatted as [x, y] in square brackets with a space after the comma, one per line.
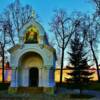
[30, 59]
[38, 31]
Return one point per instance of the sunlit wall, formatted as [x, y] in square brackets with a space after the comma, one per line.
[7, 75]
[65, 75]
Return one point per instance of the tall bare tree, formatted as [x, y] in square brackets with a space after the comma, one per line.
[97, 4]
[63, 27]
[17, 16]
[90, 28]
[4, 31]
[12, 20]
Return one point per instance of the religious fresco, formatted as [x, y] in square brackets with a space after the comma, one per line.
[31, 35]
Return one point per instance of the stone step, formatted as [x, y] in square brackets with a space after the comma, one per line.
[30, 90]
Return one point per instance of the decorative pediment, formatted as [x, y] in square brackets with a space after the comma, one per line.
[33, 32]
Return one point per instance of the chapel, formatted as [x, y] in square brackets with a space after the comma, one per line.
[32, 60]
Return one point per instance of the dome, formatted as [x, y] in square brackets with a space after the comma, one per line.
[33, 32]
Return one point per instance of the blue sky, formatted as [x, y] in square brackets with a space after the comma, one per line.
[44, 8]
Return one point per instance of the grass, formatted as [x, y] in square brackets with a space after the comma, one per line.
[26, 96]
[4, 95]
[95, 86]
[92, 86]
[4, 86]
[42, 96]
[82, 96]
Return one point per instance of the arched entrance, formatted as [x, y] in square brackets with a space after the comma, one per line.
[30, 66]
[33, 77]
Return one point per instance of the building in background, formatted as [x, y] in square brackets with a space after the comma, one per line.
[7, 72]
[65, 75]
[57, 74]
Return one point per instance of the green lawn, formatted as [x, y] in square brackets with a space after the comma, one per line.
[5, 96]
[4, 86]
[82, 96]
[92, 86]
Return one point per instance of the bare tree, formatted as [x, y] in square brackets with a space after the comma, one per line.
[17, 16]
[63, 27]
[97, 4]
[4, 29]
[92, 38]
[12, 20]
[90, 26]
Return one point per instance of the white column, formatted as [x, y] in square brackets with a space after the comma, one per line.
[48, 77]
[14, 79]
[45, 79]
[40, 84]
[51, 77]
[25, 77]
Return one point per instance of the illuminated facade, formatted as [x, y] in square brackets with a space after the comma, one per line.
[33, 59]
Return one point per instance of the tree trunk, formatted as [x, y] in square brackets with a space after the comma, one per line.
[62, 63]
[3, 65]
[96, 62]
